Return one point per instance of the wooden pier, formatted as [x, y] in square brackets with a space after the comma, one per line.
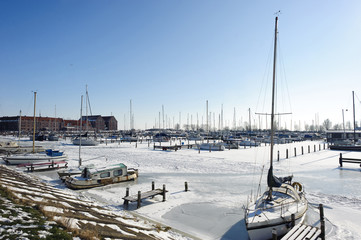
[305, 232]
[140, 196]
[173, 147]
[348, 160]
[37, 167]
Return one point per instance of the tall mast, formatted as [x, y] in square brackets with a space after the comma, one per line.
[34, 122]
[354, 121]
[86, 107]
[273, 92]
[81, 126]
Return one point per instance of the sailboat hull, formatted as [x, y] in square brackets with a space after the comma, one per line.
[263, 232]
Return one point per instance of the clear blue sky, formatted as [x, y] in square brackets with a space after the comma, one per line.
[178, 54]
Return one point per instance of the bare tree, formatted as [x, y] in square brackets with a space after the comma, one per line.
[327, 124]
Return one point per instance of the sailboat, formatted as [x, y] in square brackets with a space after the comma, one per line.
[284, 202]
[49, 156]
[85, 140]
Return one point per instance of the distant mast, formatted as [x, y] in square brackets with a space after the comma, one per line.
[34, 122]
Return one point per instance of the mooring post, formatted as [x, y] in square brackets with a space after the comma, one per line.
[286, 153]
[154, 146]
[274, 234]
[302, 149]
[293, 220]
[136, 144]
[125, 200]
[324, 146]
[314, 148]
[153, 186]
[322, 221]
[278, 155]
[295, 152]
[164, 192]
[199, 149]
[186, 186]
[340, 160]
[209, 148]
[308, 148]
[139, 200]
[319, 147]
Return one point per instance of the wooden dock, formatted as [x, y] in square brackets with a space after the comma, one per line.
[173, 147]
[305, 232]
[143, 195]
[348, 160]
[301, 231]
[32, 167]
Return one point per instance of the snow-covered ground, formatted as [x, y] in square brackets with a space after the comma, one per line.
[221, 182]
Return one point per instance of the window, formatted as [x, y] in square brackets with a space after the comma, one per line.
[105, 174]
[118, 172]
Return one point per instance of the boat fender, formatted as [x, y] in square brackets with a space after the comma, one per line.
[297, 186]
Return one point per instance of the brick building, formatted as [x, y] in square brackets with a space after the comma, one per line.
[95, 123]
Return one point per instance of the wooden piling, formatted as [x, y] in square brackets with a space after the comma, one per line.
[186, 186]
[139, 199]
[295, 152]
[293, 220]
[308, 148]
[274, 234]
[126, 202]
[278, 155]
[314, 148]
[286, 153]
[302, 149]
[322, 221]
[340, 160]
[153, 186]
[164, 191]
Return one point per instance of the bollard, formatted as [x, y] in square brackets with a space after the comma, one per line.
[186, 186]
[153, 186]
[314, 148]
[302, 150]
[286, 153]
[136, 144]
[209, 148]
[278, 155]
[308, 148]
[295, 152]
[319, 147]
[293, 220]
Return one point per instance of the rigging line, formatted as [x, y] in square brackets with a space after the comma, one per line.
[266, 73]
[282, 63]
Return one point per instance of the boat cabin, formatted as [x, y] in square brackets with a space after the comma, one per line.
[105, 172]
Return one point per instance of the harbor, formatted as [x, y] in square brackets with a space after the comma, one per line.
[213, 208]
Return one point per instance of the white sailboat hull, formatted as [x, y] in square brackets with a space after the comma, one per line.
[32, 158]
[85, 142]
[265, 231]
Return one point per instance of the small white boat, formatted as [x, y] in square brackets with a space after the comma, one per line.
[96, 177]
[29, 158]
[85, 141]
[212, 146]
